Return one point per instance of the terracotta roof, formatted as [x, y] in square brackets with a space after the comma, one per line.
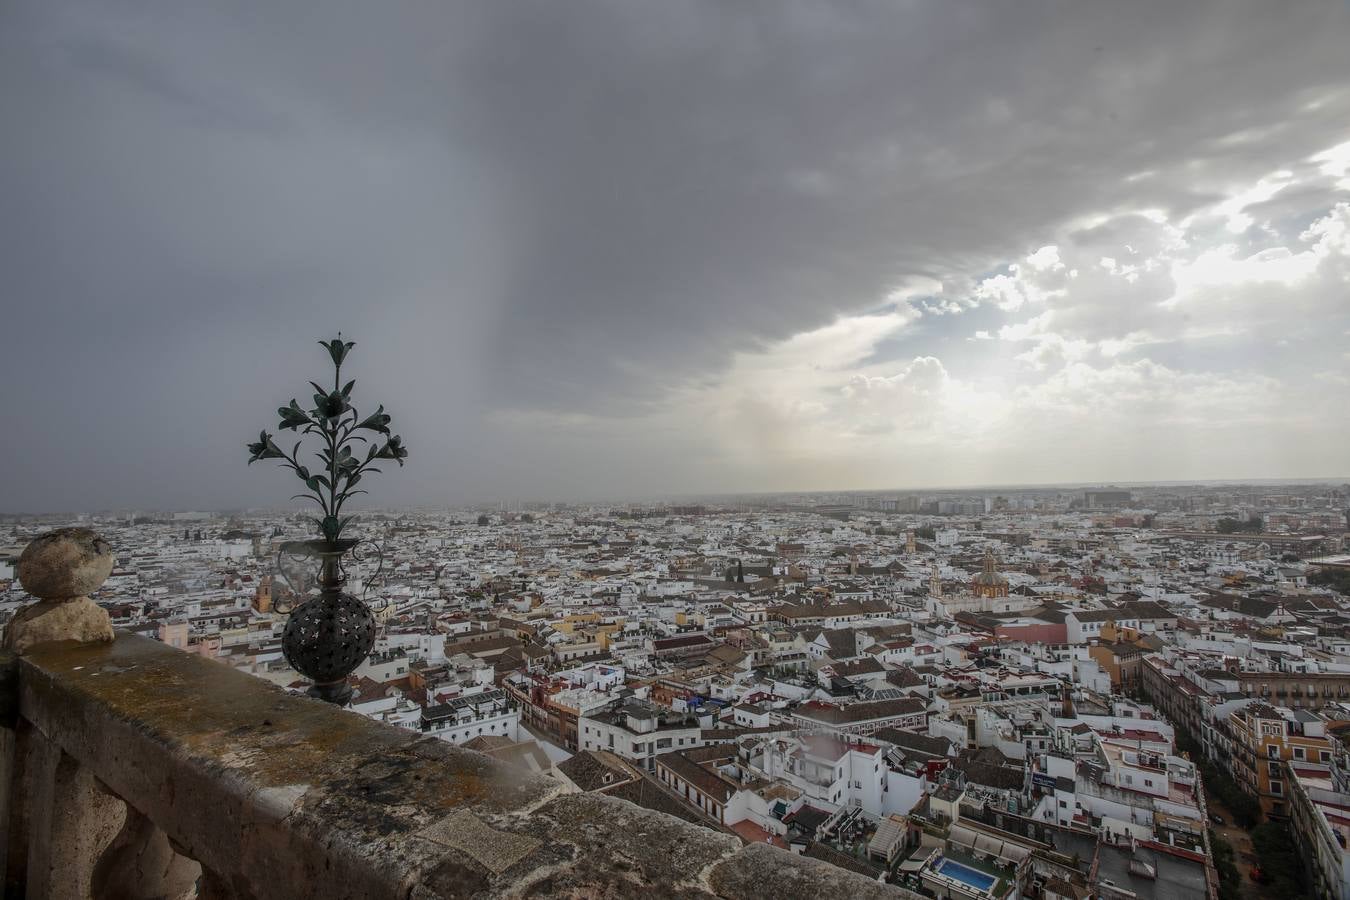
[709, 783]
[861, 712]
[593, 771]
[912, 740]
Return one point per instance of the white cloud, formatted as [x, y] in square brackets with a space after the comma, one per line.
[1046, 259]
[1335, 163]
[1101, 354]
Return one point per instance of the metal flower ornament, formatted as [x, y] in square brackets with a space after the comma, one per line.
[328, 635]
[346, 455]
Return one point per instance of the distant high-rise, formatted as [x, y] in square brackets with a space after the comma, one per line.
[1106, 499]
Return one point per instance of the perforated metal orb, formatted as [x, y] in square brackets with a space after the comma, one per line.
[328, 636]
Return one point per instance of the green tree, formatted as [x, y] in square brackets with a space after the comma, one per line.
[1279, 859]
[1230, 880]
[1336, 579]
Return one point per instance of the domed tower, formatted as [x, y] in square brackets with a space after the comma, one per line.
[989, 583]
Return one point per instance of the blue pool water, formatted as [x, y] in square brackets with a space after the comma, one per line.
[966, 875]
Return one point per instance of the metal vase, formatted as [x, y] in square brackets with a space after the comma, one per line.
[329, 635]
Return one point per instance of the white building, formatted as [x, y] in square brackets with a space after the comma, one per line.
[465, 718]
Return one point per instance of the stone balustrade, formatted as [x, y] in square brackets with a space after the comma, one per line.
[134, 770]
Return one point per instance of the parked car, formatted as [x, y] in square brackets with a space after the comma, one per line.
[1217, 819]
[1257, 875]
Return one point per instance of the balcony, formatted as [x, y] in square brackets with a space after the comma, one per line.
[137, 770]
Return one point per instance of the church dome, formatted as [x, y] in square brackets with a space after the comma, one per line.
[989, 583]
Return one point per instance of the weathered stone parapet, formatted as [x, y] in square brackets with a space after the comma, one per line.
[281, 796]
[759, 871]
[62, 568]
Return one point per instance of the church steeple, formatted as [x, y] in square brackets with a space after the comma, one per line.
[935, 582]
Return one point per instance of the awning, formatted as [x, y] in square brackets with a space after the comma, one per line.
[963, 836]
[990, 845]
[889, 833]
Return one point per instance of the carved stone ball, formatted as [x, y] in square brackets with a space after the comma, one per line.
[65, 564]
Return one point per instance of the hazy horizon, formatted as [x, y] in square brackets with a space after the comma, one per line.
[675, 249]
[725, 496]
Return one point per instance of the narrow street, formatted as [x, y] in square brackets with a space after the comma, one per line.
[1241, 842]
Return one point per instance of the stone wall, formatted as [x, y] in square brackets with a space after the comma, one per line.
[134, 769]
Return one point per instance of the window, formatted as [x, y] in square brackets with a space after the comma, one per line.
[1326, 756]
[1273, 751]
[1148, 782]
[1276, 787]
[1298, 753]
[1274, 768]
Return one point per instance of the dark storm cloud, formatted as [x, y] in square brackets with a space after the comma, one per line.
[566, 207]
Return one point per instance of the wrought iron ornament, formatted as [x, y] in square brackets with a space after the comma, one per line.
[328, 636]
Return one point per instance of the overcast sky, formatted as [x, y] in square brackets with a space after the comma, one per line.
[649, 248]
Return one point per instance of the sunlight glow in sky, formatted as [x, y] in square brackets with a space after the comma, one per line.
[603, 249]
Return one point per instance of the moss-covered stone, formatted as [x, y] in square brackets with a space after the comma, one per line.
[282, 796]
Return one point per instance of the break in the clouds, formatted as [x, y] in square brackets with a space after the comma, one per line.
[649, 248]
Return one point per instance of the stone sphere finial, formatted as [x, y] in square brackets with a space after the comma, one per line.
[65, 564]
[62, 568]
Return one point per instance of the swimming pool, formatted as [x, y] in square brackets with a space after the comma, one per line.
[966, 875]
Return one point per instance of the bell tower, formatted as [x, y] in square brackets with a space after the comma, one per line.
[262, 597]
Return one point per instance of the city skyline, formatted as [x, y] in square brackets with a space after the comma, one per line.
[1032, 680]
[728, 499]
[679, 249]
